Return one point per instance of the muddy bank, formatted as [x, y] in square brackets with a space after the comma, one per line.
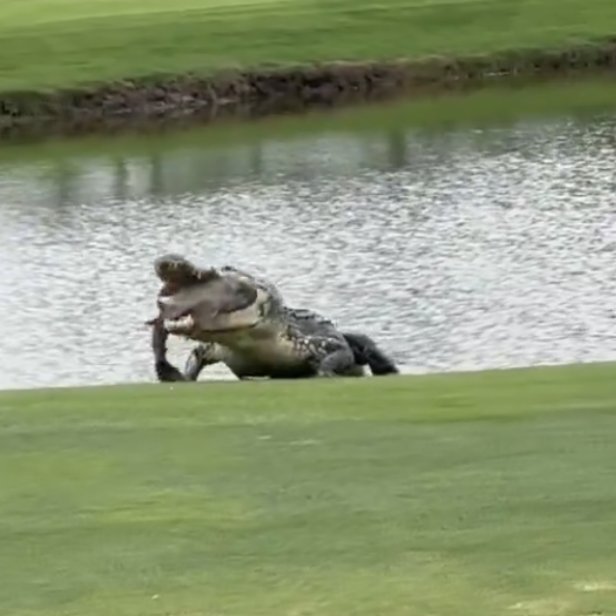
[175, 100]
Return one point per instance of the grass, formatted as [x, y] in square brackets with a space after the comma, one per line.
[460, 495]
[51, 43]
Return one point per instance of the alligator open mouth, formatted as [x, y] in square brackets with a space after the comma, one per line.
[197, 311]
[201, 303]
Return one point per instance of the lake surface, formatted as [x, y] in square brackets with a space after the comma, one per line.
[459, 248]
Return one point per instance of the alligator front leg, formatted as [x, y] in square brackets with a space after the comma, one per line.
[205, 354]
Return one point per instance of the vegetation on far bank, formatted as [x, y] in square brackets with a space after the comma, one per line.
[55, 43]
[454, 495]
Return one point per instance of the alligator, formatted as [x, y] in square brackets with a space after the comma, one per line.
[242, 321]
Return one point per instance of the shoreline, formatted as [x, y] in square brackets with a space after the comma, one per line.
[175, 101]
[421, 379]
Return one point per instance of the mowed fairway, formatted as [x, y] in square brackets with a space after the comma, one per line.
[52, 43]
[460, 495]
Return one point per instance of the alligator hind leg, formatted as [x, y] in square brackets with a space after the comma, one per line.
[368, 353]
[331, 359]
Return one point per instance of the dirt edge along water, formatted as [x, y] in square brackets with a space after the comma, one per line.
[163, 100]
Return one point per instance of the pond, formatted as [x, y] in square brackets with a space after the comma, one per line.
[457, 245]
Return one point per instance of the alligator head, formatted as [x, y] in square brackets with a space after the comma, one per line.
[197, 302]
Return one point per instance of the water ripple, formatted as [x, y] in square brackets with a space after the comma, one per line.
[458, 250]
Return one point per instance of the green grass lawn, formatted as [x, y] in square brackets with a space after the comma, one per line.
[462, 495]
[50, 43]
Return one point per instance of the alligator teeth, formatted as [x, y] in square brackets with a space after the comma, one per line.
[185, 322]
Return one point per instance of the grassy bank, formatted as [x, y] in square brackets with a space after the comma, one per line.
[51, 43]
[478, 495]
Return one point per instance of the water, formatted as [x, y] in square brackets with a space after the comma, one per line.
[456, 249]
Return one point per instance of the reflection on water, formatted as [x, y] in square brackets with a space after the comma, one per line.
[457, 250]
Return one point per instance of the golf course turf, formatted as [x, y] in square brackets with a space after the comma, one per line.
[74, 66]
[451, 495]
[57, 43]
